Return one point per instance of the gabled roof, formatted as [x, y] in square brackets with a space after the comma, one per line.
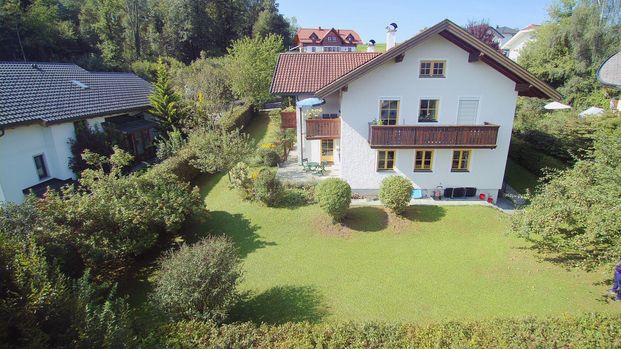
[303, 35]
[50, 93]
[526, 32]
[609, 73]
[528, 83]
[308, 72]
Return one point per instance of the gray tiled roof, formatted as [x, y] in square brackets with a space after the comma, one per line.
[44, 92]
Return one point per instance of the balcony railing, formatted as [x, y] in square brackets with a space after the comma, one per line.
[323, 128]
[288, 119]
[453, 136]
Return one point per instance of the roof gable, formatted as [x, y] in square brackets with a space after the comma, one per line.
[526, 83]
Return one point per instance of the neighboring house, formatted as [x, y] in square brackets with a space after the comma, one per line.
[326, 40]
[437, 109]
[513, 47]
[42, 104]
[503, 34]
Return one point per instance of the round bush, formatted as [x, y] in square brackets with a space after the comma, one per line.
[395, 193]
[267, 188]
[270, 158]
[334, 197]
[198, 282]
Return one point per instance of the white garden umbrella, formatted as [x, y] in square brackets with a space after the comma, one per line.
[591, 111]
[556, 106]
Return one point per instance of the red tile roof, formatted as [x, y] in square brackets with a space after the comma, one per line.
[303, 35]
[309, 72]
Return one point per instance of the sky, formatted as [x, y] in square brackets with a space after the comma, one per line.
[370, 17]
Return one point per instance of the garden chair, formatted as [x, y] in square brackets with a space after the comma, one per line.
[321, 169]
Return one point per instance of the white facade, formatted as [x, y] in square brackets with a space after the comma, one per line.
[485, 94]
[19, 146]
[517, 43]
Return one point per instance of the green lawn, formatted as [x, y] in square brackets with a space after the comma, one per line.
[520, 178]
[439, 263]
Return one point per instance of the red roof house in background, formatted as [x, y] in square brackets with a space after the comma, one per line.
[326, 40]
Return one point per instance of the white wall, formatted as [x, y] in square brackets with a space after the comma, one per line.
[360, 105]
[19, 145]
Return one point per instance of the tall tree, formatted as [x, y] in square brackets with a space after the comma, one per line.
[165, 100]
[482, 31]
[250, 65]
[270, 21]
[569, 49]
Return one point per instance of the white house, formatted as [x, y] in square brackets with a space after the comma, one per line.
[437, 109]
[326, 40]
[41, 104]
[513, 47]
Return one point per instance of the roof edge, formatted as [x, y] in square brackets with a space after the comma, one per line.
[445, 25]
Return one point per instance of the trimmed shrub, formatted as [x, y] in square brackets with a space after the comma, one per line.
[198, 282]
[334, 197]
[240, 180]
[395, 193]
[267, 188]
[587, 331]
[178, 164]
[270, 157]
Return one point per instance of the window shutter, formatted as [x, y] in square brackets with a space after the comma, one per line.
[467, 111]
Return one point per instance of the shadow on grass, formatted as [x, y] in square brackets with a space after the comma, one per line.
[281, 304]
[424, 213]
[366, 219]
[206, 182]
[234, 225]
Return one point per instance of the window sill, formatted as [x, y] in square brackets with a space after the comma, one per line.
[386, 170]
[423, 171]
[427, 120]
[431, 77]
[460, 171]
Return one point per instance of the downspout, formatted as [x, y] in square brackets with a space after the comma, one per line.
[301, 155]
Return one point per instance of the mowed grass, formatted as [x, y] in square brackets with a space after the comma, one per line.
[520, 178]
[438, 263]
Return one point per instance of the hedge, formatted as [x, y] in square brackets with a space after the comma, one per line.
[586, 331]
[179, 165]
[530, 158]
[238, 116]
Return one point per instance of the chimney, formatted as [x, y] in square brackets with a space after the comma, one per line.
[371, 46]
[319, 27]
[391, 36]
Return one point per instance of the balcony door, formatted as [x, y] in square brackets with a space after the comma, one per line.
[327, 150]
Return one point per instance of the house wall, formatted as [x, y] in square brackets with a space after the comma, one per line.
[360, 106]
[520, 40]
[19, 145]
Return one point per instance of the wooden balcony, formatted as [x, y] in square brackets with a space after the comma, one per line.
[452, 136]
[323, 128]
[287, 119]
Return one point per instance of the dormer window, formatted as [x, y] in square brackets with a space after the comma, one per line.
[350, 38]
[314, 36]
[332, 38]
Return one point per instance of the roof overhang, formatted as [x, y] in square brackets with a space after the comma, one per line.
[526, 83]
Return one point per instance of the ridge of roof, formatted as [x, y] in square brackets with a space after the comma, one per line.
[488, 55]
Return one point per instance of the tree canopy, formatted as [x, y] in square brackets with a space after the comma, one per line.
[110, 34]
[572, 45]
